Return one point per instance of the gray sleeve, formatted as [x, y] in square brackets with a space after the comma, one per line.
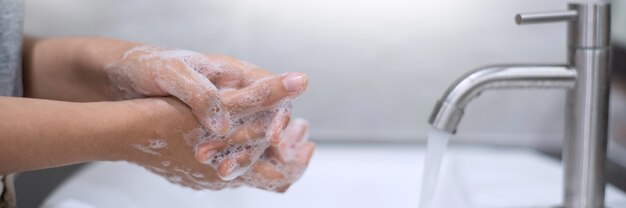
[7, 192]
[11, 19]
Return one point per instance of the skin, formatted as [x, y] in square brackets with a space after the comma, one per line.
[83, 123]
[79, 69]
[56, 133]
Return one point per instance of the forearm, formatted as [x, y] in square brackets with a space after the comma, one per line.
[42, 133]
[70, 69]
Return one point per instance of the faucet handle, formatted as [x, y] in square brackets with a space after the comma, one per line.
[545, 17]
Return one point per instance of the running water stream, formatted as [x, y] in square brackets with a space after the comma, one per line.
[437, 143]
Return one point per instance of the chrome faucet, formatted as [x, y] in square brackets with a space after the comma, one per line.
[586, 79]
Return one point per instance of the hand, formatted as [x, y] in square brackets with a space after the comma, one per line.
[198, 80]
[230, 98]
[284, 164]
[221, 91]
[244, 102]
[259, 112]
[98, 69]
[167, 151]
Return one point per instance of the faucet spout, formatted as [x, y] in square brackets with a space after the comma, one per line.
[449, 109]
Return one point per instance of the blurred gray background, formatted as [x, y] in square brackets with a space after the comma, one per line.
[376, 67]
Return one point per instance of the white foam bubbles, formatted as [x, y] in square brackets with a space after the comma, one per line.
[146, 149]
[157, 143]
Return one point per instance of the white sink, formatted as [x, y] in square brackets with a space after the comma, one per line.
[345, 176]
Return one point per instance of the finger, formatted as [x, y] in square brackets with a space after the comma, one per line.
[250, 132]
[254, 73]
[266, 92]
[231, 167]
[226, 169]
[223, 71]
[274, 153]
[282, 189]
[275, 128]
[285, 121]
[293, 137]
[297, 131]
[291, 83]
[228, 72]
[244, 159]
[305, 152]
[196, 91]
[251, 97]
[207, 150]
[267, 171]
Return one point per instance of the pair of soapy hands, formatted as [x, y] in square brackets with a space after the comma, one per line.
[242, 135]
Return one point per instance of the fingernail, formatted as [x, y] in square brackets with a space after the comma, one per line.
[208, 156]
[294, 82]
[206, 151]
[226, 169]
[244, 160]
[286, 120]
[204, 155]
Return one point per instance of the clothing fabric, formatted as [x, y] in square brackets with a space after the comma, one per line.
[11, 20]
[7, 195]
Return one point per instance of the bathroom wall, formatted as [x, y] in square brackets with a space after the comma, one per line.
[376, 66]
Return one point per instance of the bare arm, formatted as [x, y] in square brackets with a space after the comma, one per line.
[39, 134]
[43, 133]
[70, 69]
[99, 69]
[96, 69]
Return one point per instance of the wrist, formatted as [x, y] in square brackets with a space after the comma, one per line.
[145, 119]
[131, 125]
